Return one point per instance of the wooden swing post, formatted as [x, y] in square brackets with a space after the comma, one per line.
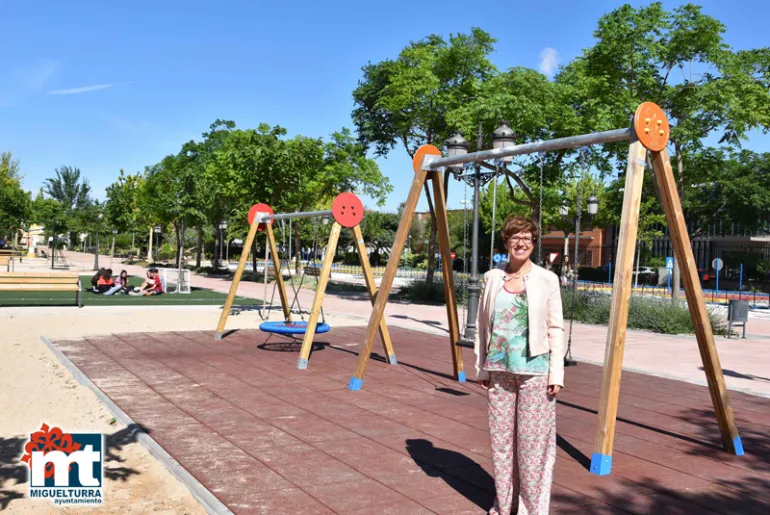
[378, 312]
[651, 132]
[315, 310]
[237, 278]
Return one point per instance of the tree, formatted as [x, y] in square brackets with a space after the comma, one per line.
[71, 193]
[379, 231]
[735, 190]
[405, 101]
[679, 60]
[49, 213]
[14, 200]
[123, 207]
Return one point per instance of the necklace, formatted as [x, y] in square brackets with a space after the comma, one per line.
[520, 272]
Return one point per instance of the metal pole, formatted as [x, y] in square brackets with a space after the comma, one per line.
[264, 217]
[473, 284]
[112, 250]
[432, 163]
[53, 246]
[180, 277]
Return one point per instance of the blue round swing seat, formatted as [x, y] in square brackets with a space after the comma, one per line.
[291, 327]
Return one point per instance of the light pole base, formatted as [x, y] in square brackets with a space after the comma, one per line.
[462, 342]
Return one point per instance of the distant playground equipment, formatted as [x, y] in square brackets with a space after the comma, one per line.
[649, 132]
[347, 210]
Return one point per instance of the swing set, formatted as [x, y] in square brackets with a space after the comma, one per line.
[649, 132]
[347, 211]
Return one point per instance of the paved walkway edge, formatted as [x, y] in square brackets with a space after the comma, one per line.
[700, 382]
[210, 503]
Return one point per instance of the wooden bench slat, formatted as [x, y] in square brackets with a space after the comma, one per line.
[38, 274]
[38, 280]
[39, 287]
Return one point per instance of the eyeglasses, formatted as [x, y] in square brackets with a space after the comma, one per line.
[527, 240]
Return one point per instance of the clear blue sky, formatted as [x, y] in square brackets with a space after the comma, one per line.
[103, 86]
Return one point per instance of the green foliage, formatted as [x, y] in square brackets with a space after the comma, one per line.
[68, 189]
[124, 205]
[405, 101]
[656, 315]
[14, 201]
[735, 187]
[421, 291]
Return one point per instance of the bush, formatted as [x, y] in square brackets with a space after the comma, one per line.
[421, 291]
[587, 273]
[656, 315]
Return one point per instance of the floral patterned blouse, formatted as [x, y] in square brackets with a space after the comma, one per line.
[508, 347]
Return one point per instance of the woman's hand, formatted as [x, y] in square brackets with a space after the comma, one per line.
[553, 390]
[484, 383]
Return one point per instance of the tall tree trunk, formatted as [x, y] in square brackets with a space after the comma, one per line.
[199, 248]
[179, 227]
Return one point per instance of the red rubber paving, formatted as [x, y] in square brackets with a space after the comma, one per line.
[265, 437]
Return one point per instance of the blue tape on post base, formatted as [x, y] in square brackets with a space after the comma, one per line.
[601, 464]
[461, 377]
[355, 383]
[392, 359]
[738, 446]
[301, 363]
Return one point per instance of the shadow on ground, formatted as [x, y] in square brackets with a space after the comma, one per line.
[15, 471]
[739, 375]
[458, 471]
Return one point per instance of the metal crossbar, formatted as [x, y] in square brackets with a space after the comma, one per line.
[265, 217]
[433, 163]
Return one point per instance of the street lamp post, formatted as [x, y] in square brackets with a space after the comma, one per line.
[157, 229]
[457, 145]
[112, 249]
[502, 137]
[96, 249]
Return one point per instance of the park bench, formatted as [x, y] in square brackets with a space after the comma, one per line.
[41, 282]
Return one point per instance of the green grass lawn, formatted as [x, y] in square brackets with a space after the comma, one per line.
[198, 297]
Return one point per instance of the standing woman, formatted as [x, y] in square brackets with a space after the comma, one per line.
[520, 360]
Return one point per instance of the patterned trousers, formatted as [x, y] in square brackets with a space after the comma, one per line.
[522, 430]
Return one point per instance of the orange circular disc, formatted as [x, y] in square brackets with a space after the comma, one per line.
[651, 126]
[259, 208]
[347, 209]
[425, 150]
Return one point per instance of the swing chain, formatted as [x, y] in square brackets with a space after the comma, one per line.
[465, 259]
[494, 219]
[541, 156]
[568, 355]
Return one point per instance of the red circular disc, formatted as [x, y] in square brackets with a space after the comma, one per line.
[259, 208]
[347, 209]
[425, 150]
[651, 126]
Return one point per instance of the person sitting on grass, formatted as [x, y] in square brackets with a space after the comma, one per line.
[105, 282]
[95, 279]
[121, 284]
[152, 285]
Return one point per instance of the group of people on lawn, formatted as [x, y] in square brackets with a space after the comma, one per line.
[104, 283]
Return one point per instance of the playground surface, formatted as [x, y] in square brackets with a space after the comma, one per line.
[264, 437]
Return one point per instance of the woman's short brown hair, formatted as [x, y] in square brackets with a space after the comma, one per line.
[518, 224]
